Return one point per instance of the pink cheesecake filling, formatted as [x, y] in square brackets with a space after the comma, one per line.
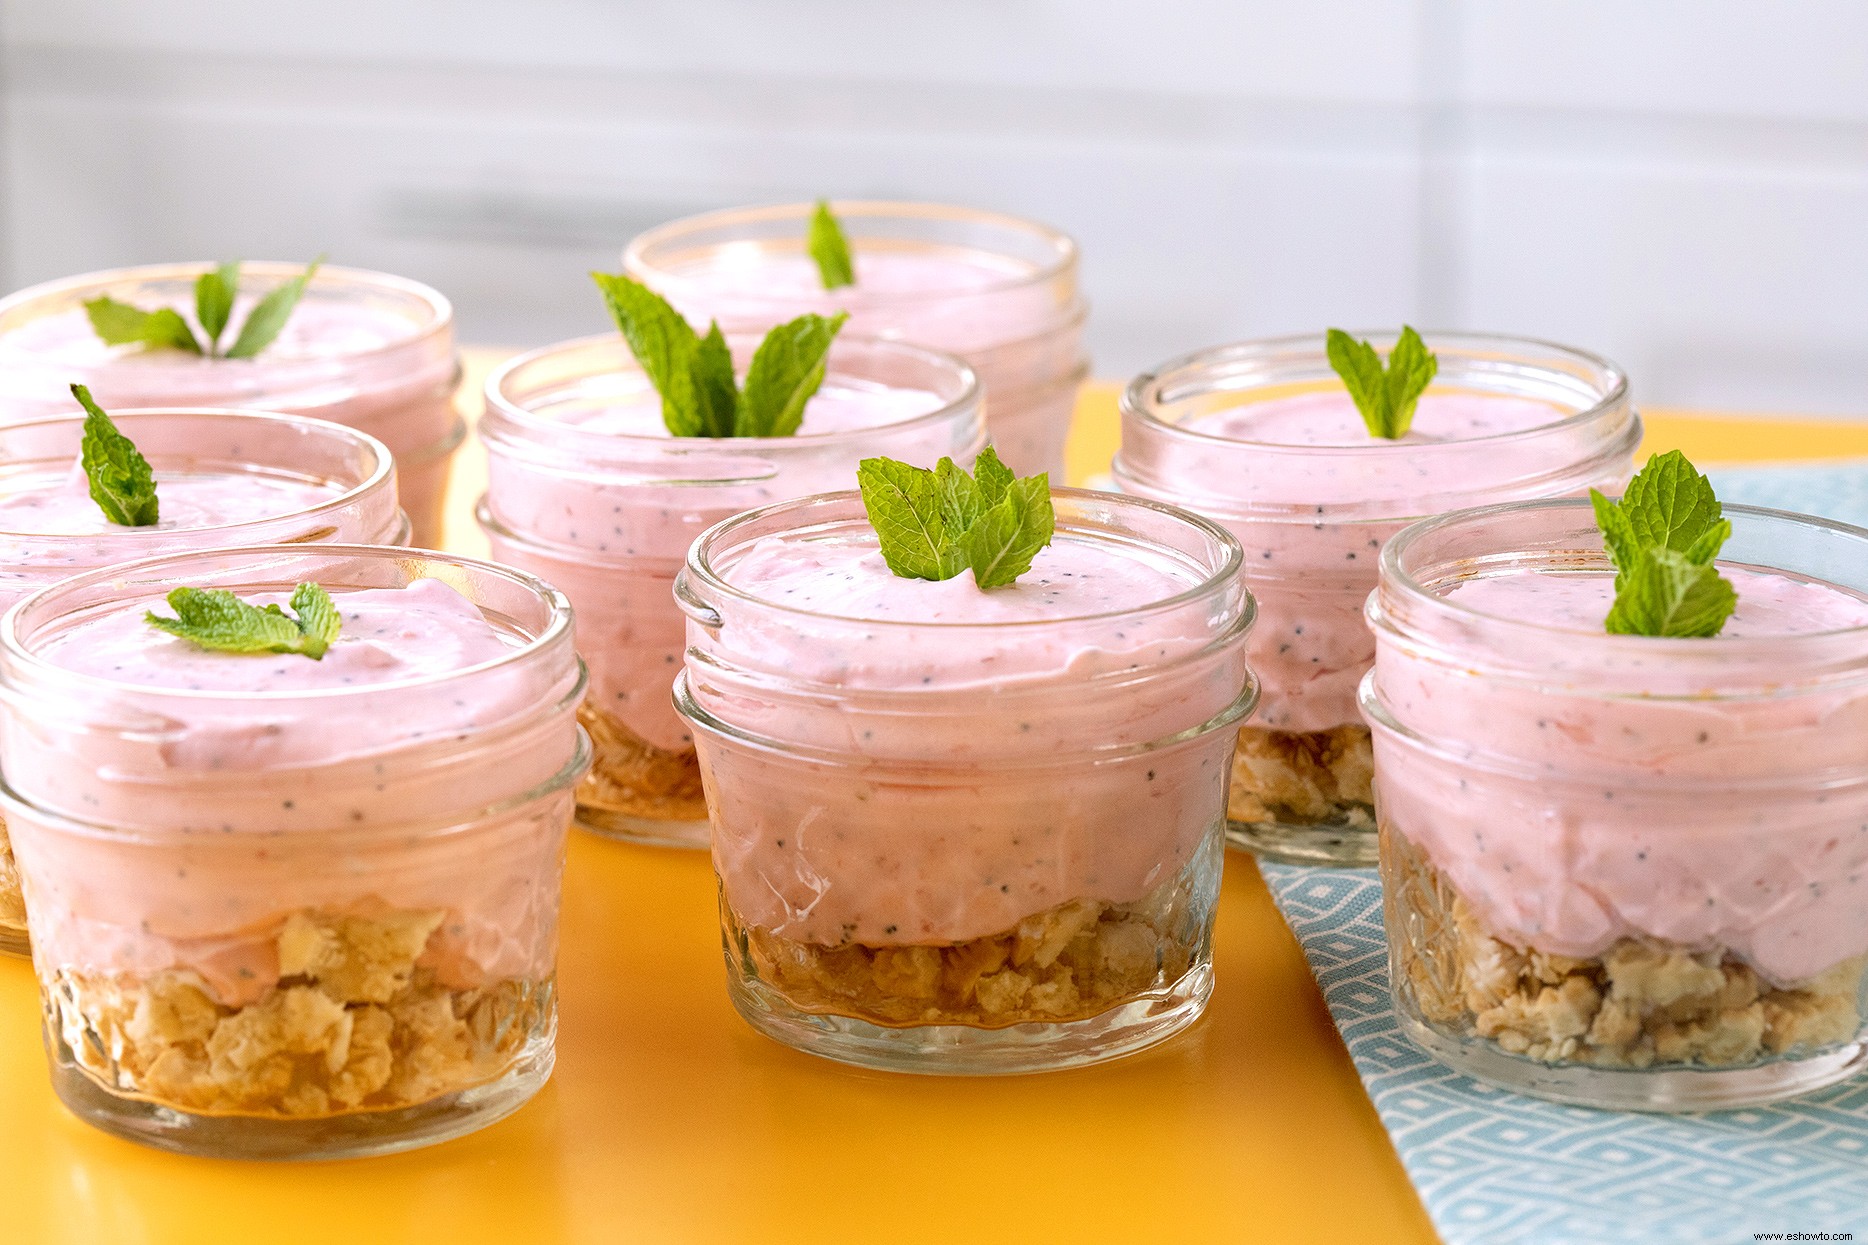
[273, 803]
[951, 676]
[63, 506]
[629, 630]
[1310, 646]
[1567, 866]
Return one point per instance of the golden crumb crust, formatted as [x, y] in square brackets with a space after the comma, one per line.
[1641, 1004]
[1303, 776]
[630, 776]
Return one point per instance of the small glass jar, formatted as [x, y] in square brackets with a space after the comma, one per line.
[1622, 871]
[608, 516]
[37, 456]
[365, 349]
[969, 847]
[999, 291]
[1312, 519]
[303, 923]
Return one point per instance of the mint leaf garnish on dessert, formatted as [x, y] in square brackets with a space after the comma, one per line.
[1386, 398]
[219, 621]
[120, 324]
[122, 484]
[830, 248]
[1663, 536]
[694, 374]
[935, 524]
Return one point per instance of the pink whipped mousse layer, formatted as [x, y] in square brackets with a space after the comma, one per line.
[1310, 646]
[879, 852]
[231, 859]
[1634, 820]
[950, 298]
[628, 627]
[186, 501]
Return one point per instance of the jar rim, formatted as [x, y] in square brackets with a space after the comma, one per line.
[1417, 594]
[698, 566]
[13, 649]
[384, 469]
[502, 410]
[1140, 397]
[1062, 246]
[440, 317]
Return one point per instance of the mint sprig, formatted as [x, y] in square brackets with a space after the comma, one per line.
[219, 621]
[830, 248]
[121, 324]
[935, 524]
[1386, 398]
[1663, 537]
[122, 484]
[694, 374]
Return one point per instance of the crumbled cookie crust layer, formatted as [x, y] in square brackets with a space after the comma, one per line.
[1069, 962]
[630, 776]
[1641, 1004]
[12, 898]
[1304, 777]
[352, 1025]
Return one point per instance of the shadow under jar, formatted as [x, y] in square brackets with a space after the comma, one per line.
[960, 831]
[587, 489]
[285, 908]
[362, 348]
[1262, 438]
[1624, 871]
[223, 478]
[999, 291]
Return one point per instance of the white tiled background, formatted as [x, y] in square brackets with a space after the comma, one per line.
[1681, 184]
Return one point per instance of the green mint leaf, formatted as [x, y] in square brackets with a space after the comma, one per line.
[268, 317]
[1670, 504]
[1386, 399]
[214, 300]
[1618, 534]
[786, 370]
[1663, 536]
[665, 345]
[122, 484]
[217, 620]
[904, 507]
[713, 391]
[830, 248]
[935, 524]
[960, 500]
[1002, 542]
[120, 324]
[1411, 368]
[1667, 594]
[994, 477]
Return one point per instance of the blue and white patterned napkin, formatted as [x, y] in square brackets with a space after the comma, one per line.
[1497, 1168]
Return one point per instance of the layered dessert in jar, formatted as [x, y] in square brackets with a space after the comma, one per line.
[361, 348]
[1267, 439]
[219, 478]
[963, 829]
[1625, 870]
[291, 824]
[588, 489]
[999, 291]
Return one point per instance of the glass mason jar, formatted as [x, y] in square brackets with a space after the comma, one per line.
[1312, 518]
[365, 349]
[302, 923]
[354, 470]
[1622, 871]
[929, 867]
[608, 517]
[999, 291]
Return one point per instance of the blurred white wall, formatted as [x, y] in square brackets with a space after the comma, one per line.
[1681, 184]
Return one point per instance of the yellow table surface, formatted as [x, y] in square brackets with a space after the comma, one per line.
[668, 1119]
